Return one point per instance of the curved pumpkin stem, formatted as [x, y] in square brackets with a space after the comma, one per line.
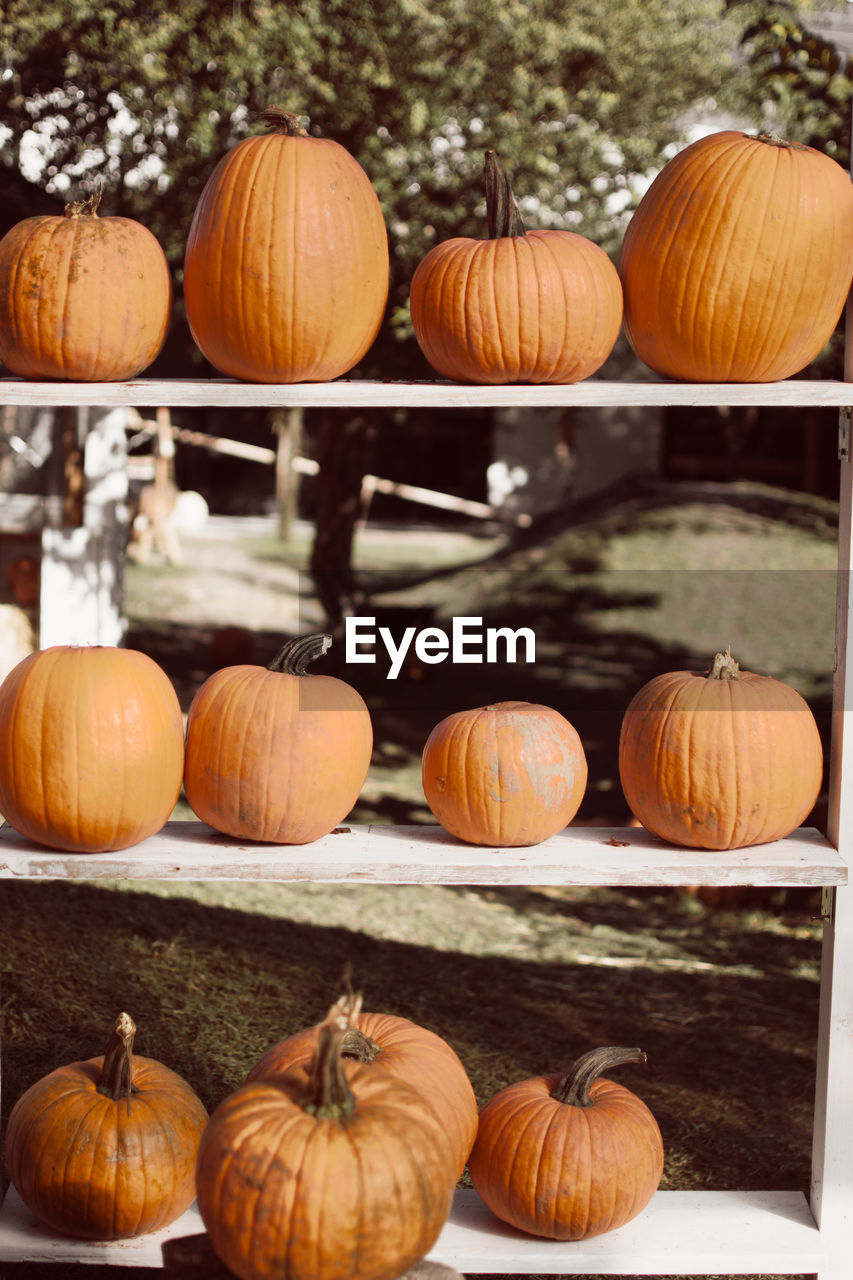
[284, 122]
[294, 657]
[502, 214]
[85, 208]
[116, 1080]
[573, 1089]
[329, 1094]
[724, 667]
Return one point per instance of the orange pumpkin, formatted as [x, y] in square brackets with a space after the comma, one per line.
[522, 306]
[720, 759]
[568, 1156]
[512, 773]
[106, 1149]
[738, 260]
[91, 747]
[82, 298]
[407, 1052]
[286, 267]
[274, 753]
[332, 1171]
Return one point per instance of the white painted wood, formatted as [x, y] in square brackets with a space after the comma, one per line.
[382, 854]
[592, 393]
[679, 1233]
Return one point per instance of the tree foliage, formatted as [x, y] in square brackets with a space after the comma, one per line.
[576, 99]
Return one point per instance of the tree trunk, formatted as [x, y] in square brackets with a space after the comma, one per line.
[344, 454]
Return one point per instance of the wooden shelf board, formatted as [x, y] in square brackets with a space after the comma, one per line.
[380, 854]
[356, 393]
[679, 1233]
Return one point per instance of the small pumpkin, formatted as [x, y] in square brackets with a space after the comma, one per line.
[331, 1171]
[541, 306]
[719, 759]
[738, 260]
[407, 1051]
[105, 1149]
[274, 753]
[286, 267]
[567, 1156]
[91, 747]
[507, 774]
[82, 297]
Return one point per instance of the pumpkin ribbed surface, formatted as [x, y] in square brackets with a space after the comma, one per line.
[719, 763]
[82, 298]
[566, 1171]
[738, 260]
[407, 1052]
[91, 747]
[509, 774]
[286, 269]
[543, 307]
[103, 1163]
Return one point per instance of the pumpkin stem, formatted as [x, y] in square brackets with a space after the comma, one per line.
[329, 1094]
[116, 1080]
[502, 214]
[724, 667]
[294, 657]
[86, 208]
[356, 1044]
[283, 122]
[573, 1089]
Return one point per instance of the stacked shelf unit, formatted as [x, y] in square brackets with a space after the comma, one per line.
[681, 1232]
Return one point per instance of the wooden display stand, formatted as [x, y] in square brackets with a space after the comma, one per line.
[681, 1232]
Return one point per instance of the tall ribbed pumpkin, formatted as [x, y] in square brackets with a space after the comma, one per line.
[105, 1149]
[523, 306]
[738, 260]
[286, 267]
[407, 1052]
[82, 298]
[719, 759]
[508, 774]
[91, 747]
[332, 1171]
[274, 753]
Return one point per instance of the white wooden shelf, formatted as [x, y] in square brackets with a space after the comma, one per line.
[365, 394]
[380, 854]
[680, 1232]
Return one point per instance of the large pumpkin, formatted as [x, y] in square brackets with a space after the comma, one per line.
[91, 747]
[274, 753]
[286, 267]
[738, 260]
[523, 306]
[82, 298]
[511, 773]
[106, 1149]
[719, 759]
[332, 1171]
[568, 1156]
[405, 1051]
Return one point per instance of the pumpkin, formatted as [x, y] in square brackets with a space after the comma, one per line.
[511, 773]
[567, 1156]
[719, 759]
[738, 260]
[276, 754]
[91, 747]
[106, 1149]
[286, 266]
[407, 1052]
[82, 297]
[331, 1171]
[521, 306]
